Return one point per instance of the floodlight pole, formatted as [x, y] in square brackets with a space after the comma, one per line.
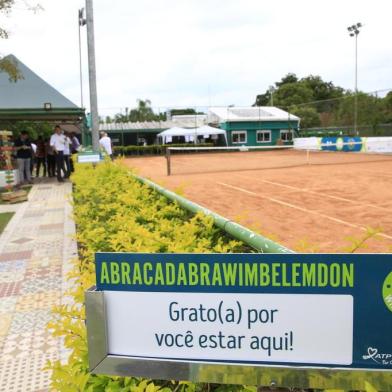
[272, 90]
[81, 22]
[354, 31]
[356, 86]
[92, 75]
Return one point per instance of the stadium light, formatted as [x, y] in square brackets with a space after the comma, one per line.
[353, 32]
[272, 90]
[81, 23]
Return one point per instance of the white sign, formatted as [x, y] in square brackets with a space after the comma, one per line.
[379, 144]
[89, 158]
[291, 328]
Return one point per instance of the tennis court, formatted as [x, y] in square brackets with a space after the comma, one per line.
[307, 202]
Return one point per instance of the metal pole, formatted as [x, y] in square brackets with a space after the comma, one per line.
[354, 31]
[356, 86]
[168, 161]
[81, 22]
[92, 75]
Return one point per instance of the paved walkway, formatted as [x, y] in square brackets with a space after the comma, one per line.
[35, 249]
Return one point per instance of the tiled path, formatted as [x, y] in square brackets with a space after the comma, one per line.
[35, 250]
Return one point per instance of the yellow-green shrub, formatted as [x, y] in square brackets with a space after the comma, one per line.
[115, 213]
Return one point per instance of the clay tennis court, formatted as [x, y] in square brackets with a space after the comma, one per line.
[323, 205]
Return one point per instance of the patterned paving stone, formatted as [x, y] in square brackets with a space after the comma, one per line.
[2, 341]
[12, 247]
[7, 304]
[29, 343]
[11, 276]
[26, 321]
[45, 300]
[54, 226]
[34, 214]
[41, 260]
[11, 288]
[52, 270]
[12, 265]
[25, 374]
[52, 210]
[37, 285]
[22, 240]
[35, 251]
[5, 322]
[9, 256]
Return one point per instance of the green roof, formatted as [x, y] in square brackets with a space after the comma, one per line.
[25, 99]
[31, 92]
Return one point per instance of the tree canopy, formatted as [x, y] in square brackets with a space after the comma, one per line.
[143, 112]
[321, 103]
[7, 65]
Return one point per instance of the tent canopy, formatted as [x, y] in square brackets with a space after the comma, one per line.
[205, 130]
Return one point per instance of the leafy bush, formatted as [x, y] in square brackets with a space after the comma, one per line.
[116, 213]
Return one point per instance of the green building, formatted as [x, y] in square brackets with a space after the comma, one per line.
[255, 126]
[146, 132]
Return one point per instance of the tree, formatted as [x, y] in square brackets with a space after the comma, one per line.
[143, 112]
[288, 79]
[7, 65]
[370, 112]
[292, 94]
[181, 112]
[308, 115]
[265, 99]
[387, 107]
[323, 91]
[34, 128]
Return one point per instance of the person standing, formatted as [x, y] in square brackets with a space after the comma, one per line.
[75, 146]
[50, 158]
[67, 155]
[57, 141]
[24, 155]
[106, 144]
[40, 156]
[32, 160]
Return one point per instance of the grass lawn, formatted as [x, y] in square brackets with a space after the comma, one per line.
[5, 217]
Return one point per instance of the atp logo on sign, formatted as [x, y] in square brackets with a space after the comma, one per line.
[380, 358]
[387, 291]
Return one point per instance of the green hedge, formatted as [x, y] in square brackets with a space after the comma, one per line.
[116, 213]
[154, 149]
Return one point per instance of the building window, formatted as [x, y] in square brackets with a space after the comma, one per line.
[238, 137]
[263, 136]
[286, 135]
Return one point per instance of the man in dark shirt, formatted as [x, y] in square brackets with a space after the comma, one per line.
[24, 155]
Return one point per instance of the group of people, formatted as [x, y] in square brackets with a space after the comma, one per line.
[54, 155]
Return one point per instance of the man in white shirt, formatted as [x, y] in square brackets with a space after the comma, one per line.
[106, 144]
[57, 142]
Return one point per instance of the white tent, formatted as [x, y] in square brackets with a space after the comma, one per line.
[191, 133]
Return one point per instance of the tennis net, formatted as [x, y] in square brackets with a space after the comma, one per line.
[198, 160]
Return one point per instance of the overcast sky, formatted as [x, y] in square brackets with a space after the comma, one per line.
[202, 52]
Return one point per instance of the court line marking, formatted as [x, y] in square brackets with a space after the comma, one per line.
[337, 220]
[316, 193]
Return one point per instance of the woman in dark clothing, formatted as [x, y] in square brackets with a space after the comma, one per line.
[40, 155]
[51, 159]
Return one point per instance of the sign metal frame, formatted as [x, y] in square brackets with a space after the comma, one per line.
[102, 362]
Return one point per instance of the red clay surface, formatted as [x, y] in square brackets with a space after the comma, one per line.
[308, 208]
